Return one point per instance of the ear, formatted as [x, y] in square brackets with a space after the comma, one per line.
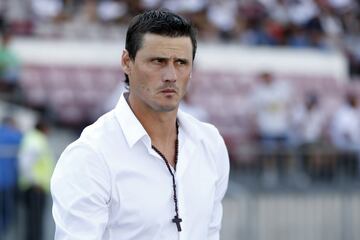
[125, 62]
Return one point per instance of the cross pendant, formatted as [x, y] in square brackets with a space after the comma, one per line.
[177, 220]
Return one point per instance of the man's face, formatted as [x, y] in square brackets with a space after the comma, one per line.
[160, 72]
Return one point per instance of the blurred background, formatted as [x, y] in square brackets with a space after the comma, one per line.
[279, 78]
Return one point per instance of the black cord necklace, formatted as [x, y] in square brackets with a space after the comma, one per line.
[177, 220]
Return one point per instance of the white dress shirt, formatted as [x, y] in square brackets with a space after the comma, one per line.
[111, 184]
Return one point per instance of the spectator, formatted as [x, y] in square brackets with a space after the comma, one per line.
[345, 129]
[111, 11]
[45, 10]
[9, 64]
[223, 15]
[332, 27]
[36, 165]
[185, 6]
[193, 9]
[345, 134]
[271, 99]
[253, 15]
[10, 138]
[308, 121]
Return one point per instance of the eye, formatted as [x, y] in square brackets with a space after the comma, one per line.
[158, 60]
[181, 62]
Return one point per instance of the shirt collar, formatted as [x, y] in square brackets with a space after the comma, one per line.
[134, 131]
[130, 125]
[188, 124]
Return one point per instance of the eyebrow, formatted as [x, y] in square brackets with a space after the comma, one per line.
[185, 60]
[166, 59]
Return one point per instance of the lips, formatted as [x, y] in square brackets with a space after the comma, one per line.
[168, 90]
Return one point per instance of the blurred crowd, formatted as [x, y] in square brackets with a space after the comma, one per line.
[26, 164]
[301, 135]
[321, 24]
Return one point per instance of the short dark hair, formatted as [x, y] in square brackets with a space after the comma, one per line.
[161, 22]
[42, 125]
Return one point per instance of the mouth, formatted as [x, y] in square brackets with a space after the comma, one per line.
[168, 90]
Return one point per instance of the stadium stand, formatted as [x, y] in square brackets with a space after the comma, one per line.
[70, 93]
[70, 65]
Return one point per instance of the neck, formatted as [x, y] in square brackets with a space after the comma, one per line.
[161, 131]
[161, 126]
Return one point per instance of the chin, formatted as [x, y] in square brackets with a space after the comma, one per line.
[167, 108]
[165, 105]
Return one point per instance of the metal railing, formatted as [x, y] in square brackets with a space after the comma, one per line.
[312, 215]
[301, 166]
[308, 192]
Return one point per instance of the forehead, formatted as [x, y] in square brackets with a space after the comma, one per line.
[156, 44]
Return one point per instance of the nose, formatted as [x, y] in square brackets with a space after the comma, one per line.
[169, 73]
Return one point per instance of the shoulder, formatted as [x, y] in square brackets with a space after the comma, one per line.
[208, 135]
[101, 132]
[82, 158]
[198, 129]
[92, 141]
[211, 141]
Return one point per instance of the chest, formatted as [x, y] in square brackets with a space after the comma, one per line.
[142, 188]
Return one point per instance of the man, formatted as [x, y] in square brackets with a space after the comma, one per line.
[10, 138]
[345, 135]
[145, 170]
[271, 99]
[9, 64]
[36, 166]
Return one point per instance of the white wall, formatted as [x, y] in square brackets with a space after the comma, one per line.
[209, 56]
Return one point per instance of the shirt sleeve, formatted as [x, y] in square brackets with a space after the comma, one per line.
[80, 189]
[223, 166]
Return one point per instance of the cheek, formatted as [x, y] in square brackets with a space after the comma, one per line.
[145, 85]
[186, 74]
[143, 80]
[186, 80]
[145, 88]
